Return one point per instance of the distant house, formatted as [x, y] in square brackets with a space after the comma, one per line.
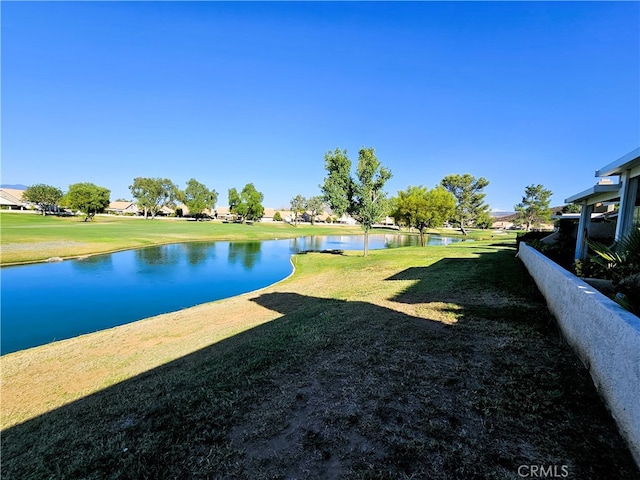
[182, 210]
[269, 213]
[503, 220]
[625, 193]
[323, 217]
[502, 225]
[346, 219]
[387, 222]
[11, 199]
[306, 217]
[123, 208]
[166, 211]
[224, 214]
[130, 208]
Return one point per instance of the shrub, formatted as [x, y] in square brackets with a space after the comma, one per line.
[529, 237]
[561, 252]
[622, 258]
[621, 263]
[277, 217]
[588, 268]
[629, 287]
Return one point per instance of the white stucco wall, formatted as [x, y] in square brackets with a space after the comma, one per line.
[604, 335]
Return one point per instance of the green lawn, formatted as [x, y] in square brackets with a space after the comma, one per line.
[436, 362]
[33, 238]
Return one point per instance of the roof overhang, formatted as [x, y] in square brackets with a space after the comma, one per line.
[6, 201]
[596, 194]
[630, 161]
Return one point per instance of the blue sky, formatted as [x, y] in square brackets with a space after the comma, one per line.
[237, 92]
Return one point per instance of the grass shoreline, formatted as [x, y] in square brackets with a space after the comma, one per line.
[392, 371]
[34, 239]
[30, 238]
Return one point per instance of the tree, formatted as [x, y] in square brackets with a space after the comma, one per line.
[87, 198]
[298, 206]
[45, 196]
[248, 204]
[361, 196]
[315, 205]
[197, 198]
[234, 200]
[420, 208]
[571, 208]
[337, 186]
[253, 199]
[277, 217]
[153, 194]
[469, 193]
[534, 208]
[484, 220]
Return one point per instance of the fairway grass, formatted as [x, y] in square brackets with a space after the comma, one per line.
[34, 238]
[436, 362]
[30, 238]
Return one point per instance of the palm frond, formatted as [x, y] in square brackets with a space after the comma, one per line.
[629, 245]
[625, 251]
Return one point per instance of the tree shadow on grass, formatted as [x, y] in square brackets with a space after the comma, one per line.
[336, 389]
[181, 420]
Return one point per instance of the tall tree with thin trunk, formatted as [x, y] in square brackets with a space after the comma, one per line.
[361, 196]
[469, 193]
[337, 189]
[315, 205]
[534, 208]
[298, 206]
[234, 200]
[153, 194]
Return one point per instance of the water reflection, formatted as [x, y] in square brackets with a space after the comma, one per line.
[247, 252]
[198, 253]
[104, 291]
[304, 244]
[394, 241]
[162, 255]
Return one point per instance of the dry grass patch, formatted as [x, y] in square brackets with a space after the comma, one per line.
[438, 363]
[40, 379]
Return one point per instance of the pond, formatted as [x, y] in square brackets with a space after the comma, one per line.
[45, 302]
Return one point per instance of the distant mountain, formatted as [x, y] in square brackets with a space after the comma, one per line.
[512, 216]
[498, 214]
[16, 187]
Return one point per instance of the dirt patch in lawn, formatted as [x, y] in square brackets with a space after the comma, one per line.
[38, 246]
[31, 252]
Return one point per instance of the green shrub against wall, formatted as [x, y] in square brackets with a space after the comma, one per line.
[562, 251]
[620, 262]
